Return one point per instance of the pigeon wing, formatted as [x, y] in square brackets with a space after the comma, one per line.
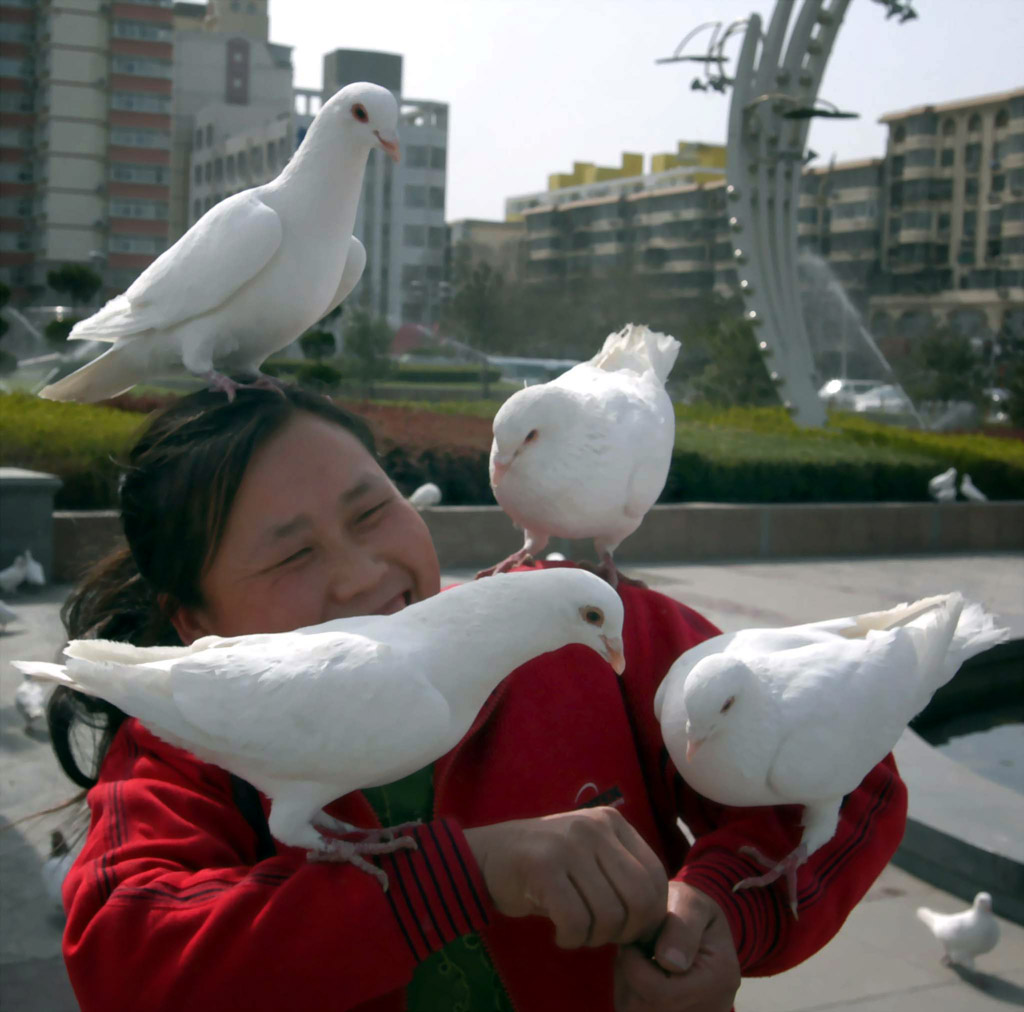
[226, 248]
[334, 708]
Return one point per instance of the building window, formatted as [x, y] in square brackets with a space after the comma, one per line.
[198, 175]
[899, 135]
[971, 188]
[139, 102]
[974, 124]
[943, 223]
[197, 209]
[435, 237]
[199, 139]
[209, 134]
[1002, 118]
[243, 168]
[271, 156]
[970, 222]
[416, 156]
[208, 171]
[218, 169]
[415, 196]
[256, 157]
[948, 127]
[414, 235]
[437, 158]
[437, 198]
[972, 157]
[947, 157]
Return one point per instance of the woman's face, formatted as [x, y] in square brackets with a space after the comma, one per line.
[316, 532]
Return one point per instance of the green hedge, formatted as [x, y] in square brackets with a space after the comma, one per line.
[740, 455]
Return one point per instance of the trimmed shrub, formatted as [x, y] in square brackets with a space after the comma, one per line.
[427, 373]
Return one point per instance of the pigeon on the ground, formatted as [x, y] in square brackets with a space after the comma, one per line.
[587, 454]
[30, 701]
[14, 575]
[801, 715]
[942, 488]
[311, 715]
[253, 273]
[7, 615]
[554, 557]
[971, 491]
[34, 572]
[970, 933]
[426, 496]
[55, 868]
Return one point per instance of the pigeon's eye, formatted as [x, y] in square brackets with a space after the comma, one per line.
[592, 615]
[530, 436]
[359, 111]
[728, 703]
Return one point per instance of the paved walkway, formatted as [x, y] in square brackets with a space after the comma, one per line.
[883, 960]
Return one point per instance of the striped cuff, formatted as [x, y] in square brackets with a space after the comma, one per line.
[436, 891]
[756, 917]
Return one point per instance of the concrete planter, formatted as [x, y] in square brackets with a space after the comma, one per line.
[26, 504]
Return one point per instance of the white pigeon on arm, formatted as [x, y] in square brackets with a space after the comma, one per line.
[964, 935]
[253, 273]
[801, 715]
[309, 716]
[587, 454]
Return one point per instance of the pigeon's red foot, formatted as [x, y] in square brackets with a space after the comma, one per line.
[520, 558]
[352, 852]
[610, 573]
[265, 382]
[776, 869]
[218, 381]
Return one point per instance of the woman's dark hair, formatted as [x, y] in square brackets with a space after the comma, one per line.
[176, 494]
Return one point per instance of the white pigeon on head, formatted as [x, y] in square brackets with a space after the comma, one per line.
[964, 935]
[253, 273]
[971, 491]
[13, 576]
[311, 715]
[942, 488]
[587, 454]
[30, 701]
[34, 572]
[801, 715]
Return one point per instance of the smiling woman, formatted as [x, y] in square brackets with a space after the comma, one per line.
[544, 868]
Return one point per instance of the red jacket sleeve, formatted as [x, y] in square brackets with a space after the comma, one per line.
[768, 939]
[167, 899]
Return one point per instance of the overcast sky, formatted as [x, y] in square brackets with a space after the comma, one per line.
[533, 85]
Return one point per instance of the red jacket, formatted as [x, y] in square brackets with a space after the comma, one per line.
[168, 901]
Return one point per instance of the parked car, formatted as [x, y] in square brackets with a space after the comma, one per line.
[841, 393]
[885, 399]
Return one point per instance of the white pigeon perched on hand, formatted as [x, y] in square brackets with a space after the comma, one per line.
[942, 488]
[801, 715]
[971, 491]
[970, 933]
[311, 715]
[425, 496]
[30, 701]
[13, 576]
[587, 454]
[253, 273]
[34, 572]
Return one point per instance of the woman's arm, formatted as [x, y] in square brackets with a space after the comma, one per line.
[167, 900]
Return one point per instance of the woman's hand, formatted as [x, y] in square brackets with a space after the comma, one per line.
[694, 969]
[588, 871]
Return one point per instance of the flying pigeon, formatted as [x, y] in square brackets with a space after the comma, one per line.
[30, 701]
[425, 496]
[34, 572]
[56, 867]
[586, 455]
[7, 614]
[970, 933]
[942, 488]
[971, 491]
[14, 575]
[801, 715]
[308, 716]
[253, 273]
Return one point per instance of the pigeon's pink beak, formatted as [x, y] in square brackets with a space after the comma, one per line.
[614, 654]
[692, 745]
[499, 467]
[389, 142]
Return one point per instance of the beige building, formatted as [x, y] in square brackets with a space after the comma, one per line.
[84, 137]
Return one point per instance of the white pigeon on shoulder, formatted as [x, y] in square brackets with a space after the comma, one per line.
[587, 454]
[253, 273]
[311, 715]
[13, 576]
[964, 935]
[801, 715]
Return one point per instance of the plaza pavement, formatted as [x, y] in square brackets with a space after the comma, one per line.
[883, 960]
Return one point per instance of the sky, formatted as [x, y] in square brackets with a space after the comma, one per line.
[533, 85]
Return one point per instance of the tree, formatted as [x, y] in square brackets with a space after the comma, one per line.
[317, 344]
[735, 372]
[942, 366]
[80, 283]
[56, 331]
[367, 343]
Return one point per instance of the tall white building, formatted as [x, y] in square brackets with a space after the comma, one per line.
[401, 213]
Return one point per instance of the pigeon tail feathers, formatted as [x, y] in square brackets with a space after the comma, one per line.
[108, 375]
[638, 349]
[975, 632]
[44, 671]
[116, 319]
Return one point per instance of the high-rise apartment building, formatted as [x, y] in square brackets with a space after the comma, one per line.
[401, 212]
[85, 136]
